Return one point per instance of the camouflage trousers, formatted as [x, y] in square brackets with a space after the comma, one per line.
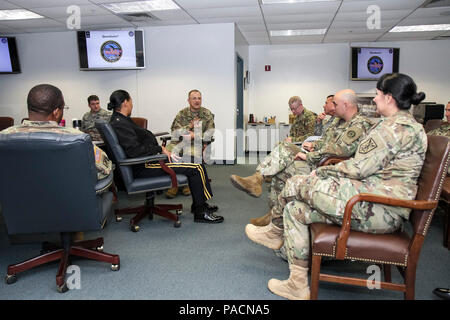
[279, 158]
[309, 199]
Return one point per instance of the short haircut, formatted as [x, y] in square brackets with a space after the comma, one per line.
[92, 97]
[194, 90]
[294, 99]
[330, 96]
[44, 98]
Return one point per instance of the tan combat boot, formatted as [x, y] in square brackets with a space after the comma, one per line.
[269, 236]
[186, 191]
[252, 184]
[261, 221]
[294, 288]
[171, 193]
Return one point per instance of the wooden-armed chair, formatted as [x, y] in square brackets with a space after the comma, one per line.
[141, 122]
[6, 122]
[399, 248]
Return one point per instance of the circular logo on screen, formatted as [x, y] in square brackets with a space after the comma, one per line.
[111, 51]
[375, 65]
[3, 40]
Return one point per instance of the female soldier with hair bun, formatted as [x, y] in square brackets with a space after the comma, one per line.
[387, 163]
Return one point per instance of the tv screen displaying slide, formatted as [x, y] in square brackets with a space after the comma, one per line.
[9, 60]
[108, 50]
[372, 63]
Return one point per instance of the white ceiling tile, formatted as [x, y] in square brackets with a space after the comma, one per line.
[296, 18]
[238, 20]
[384, 5]
[251, 27]
[48, 3]
[397, 36]
[7, 6]
[33, 23]
[298, 25]
[172, 15]
[201, 4]
[417, 21]
[226, 12]
[59, 12]
[431, 13]
[101, 20]
[300, 8]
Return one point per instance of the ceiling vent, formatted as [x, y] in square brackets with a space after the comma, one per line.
[139, 17]
[436, 4]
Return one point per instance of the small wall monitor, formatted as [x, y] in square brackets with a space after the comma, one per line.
[9, 59]
[111, 50]
[371, 63]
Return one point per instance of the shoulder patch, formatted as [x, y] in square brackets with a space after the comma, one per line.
[351, 135]
[367, 146]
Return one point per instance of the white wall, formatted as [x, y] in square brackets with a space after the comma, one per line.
[316, 70]
[179, 58]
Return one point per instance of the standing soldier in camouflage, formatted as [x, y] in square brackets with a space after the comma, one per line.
[444, 128]
[45, 110]
[388, 162]
[89, 118]
[195, 124]
[283, 154]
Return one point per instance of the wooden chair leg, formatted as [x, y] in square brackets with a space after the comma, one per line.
[387, 273]
[447, 227]
[410, 283]
[315, 274]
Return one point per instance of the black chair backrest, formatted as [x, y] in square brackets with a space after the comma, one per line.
[48, 183]
[430, 181]
[115, 151]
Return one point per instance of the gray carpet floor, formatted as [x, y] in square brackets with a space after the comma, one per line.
[199, 261]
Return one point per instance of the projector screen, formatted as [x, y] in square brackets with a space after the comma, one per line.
[372, 63]
[9, 60]
[107, 50]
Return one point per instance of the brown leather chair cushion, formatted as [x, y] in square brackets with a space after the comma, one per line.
[376, 248]
[6, 122]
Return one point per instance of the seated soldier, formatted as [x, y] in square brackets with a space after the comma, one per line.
[194, 124]
[326, 117]
[45, 110]
[444, 128]
[340, 139]
[89, 118]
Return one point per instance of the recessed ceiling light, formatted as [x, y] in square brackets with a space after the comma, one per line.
[141, 6]
[293, 1]
[421, 28]
[305, 32]
[18, 14]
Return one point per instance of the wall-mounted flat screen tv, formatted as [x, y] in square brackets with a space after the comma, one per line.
[110, 50]
[9, 59]
[371, 63]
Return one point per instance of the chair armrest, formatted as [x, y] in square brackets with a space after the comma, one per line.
[104, 184]
[330, 160]
[133, 161]
[341, 242]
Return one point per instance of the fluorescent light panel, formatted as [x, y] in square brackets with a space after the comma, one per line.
[292, 1]
[18, 14]
[421, 28]
[305, 32]
[141, 6]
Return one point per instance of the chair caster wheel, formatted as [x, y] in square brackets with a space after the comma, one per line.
[63, 288]
[134, 228]
[115, 267]
[177, 224]
[99, 249]
[118, 219]
[10, 278]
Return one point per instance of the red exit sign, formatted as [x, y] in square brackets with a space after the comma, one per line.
[267, 67]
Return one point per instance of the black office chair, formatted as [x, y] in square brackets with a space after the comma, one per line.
[133, 185]
[49, 184]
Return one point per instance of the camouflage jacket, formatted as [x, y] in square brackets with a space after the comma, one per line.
[303, 126]
[443, 130]
[388, 160]
[321, 126]
[340, 139]
[88, 123]
[102, 162]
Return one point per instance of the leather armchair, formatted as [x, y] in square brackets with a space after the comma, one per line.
[56, 192]
[399, 248]
[6, 122]
[141, 122]
[133, 185]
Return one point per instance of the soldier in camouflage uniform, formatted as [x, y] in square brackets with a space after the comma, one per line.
[89, 118]
[444, 129]
[283, 154]
[326, 117]
[45, 110]
[388, 163]
[195, 124]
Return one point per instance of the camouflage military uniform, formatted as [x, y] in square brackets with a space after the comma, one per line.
[388, 163]
[203, 131]
[88, 123]
[443, 130]
[303, 126]
[321, 126]
[102, 162]
[340, 139]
